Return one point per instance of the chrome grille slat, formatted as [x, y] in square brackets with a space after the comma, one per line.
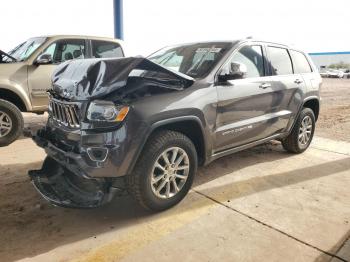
[66, 109]
[74, 117]
[64, 113]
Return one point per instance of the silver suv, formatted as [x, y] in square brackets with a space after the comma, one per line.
[25, 74]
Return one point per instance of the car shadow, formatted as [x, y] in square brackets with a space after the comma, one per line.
[30, 226]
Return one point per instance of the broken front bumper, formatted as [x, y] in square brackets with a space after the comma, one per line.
[62, 188]
[93, 154]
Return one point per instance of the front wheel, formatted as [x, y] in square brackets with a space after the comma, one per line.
[11, 123]
[303, 131]
[164, 172]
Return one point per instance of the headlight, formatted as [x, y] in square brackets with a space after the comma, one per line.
[106, 111]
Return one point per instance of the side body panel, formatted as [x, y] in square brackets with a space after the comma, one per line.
[245, 112]
[253, 109]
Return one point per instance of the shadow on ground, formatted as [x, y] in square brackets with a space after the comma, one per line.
[30, 226]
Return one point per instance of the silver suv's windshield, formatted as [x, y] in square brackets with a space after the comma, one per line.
[195, 60]
[24, 50]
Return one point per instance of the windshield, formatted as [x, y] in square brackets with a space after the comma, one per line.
[24, 50]
[195, 60]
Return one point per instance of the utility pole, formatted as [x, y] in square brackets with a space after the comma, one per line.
[118, 19]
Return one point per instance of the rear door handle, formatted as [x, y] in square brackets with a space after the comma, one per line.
[264, 85]
[298, 81]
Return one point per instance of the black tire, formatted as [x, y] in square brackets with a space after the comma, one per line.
[16, 119]
[291, 143]
[139, 182]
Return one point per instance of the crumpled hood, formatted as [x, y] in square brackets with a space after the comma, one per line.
[93, 78]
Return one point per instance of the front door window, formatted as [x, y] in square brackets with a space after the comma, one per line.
[68, 49]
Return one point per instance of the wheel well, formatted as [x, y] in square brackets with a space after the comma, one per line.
[13, 98]
[314, 105]
[193, 131]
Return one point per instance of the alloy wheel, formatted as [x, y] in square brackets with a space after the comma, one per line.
[170, 172]
[5, 124]
[305, 131]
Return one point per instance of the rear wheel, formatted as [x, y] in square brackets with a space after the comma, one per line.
[11, 123]
[164, 173]
[303, 131]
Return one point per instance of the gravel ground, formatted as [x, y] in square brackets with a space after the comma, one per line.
[334, 119]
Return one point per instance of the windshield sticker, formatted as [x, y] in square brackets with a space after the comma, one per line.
[208, 50]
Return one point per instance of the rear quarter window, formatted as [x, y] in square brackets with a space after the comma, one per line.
[301, 65]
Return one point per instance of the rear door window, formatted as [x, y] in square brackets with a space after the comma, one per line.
[281, 63]
[300, 63]
[105, 49]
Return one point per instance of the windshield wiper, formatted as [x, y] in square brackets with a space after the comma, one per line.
[5, 54]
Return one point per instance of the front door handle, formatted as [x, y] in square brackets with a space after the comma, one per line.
[264, 85]
[298, 81]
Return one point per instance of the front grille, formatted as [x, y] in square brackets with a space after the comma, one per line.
[65, 114]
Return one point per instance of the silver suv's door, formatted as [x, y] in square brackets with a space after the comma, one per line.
[247, 108]
[39, 76]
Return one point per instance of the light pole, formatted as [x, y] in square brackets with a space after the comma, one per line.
[118, 19]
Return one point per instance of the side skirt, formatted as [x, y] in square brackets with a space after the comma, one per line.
[243, 147]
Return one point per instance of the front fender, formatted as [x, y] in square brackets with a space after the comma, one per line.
[166, 123]
[17, 89]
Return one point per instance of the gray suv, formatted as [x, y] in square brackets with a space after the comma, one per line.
[143, 125]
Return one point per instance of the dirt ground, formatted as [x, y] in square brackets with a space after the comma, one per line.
[30, 226]
[334, 120]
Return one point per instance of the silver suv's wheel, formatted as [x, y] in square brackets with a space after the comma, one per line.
[5, 124]
[302, 133]
[11, 123]
[165, 170]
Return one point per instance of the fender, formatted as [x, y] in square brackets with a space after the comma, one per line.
[306, 99]
[311, 98]
[160, 123]
[18, 90]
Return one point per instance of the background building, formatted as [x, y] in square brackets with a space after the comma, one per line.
[328, 58]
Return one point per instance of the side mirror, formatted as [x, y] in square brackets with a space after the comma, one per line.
[44, 59]
[235, 70]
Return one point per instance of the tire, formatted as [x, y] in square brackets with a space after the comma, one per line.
[140, 184]
[11, 123]
[295, 144]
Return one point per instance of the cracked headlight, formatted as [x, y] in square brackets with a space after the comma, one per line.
[106, 111]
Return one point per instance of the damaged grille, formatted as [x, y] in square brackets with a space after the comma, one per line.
[65, 114]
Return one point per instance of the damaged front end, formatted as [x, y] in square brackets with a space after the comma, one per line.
[63, 188]
[93, 131]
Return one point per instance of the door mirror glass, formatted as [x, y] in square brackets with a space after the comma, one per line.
[235, 70]
[44, 59]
